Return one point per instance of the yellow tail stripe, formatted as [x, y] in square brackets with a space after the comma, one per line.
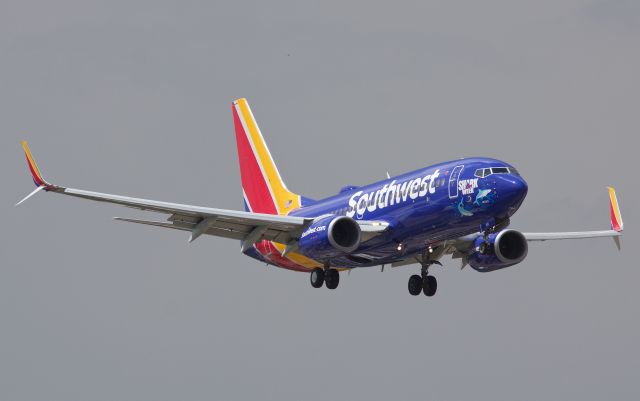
[286, 200]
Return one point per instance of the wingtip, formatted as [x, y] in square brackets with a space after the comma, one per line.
[33, 167]
[35, 191]
[614, 211]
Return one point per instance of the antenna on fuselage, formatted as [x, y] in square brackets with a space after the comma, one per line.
[388, 176]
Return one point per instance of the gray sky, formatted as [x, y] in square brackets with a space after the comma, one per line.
[134, 98]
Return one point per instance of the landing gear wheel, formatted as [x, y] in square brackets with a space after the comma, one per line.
[415, 284]
[332, 278]
[429, 286]
[317, 277]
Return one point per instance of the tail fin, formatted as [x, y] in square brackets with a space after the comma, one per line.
[264, 190]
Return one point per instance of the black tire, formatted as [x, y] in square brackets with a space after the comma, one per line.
[332, 279]
[415, 285]
[317, 277]
[429, 286]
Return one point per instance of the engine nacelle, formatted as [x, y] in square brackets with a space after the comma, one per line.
[329, 237]
[502, 249]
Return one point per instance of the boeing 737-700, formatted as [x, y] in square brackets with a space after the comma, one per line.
[460, 208]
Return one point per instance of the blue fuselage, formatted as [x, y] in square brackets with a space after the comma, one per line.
[426, 206]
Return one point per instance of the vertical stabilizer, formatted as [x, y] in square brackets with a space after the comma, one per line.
[263, 188]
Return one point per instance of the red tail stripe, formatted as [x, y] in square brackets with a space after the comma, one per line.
[36, 177]
[253, 183]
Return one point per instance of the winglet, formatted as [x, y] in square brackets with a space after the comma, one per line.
[33, 167]
[614, 211]
[40, 182]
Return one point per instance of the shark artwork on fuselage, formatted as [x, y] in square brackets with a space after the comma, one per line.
[460, 208]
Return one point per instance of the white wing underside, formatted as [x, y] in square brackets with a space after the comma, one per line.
[571, 235]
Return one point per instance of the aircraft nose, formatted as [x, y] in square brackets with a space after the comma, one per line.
[512, 189]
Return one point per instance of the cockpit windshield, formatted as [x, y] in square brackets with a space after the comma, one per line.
[485, 172]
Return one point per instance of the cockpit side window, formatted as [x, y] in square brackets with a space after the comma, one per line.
[499, 170]
[485, 172]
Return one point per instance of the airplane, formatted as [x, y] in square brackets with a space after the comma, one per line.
[460, 208]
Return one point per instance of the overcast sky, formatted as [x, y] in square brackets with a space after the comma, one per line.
[134, 98]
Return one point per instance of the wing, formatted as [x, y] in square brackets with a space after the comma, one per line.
[247, 226]
[615, 232]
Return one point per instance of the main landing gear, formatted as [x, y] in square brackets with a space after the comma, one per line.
[329, 277]
[424, 282]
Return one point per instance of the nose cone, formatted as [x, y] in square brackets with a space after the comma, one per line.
[512, 189]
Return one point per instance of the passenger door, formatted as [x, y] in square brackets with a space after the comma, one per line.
[453, 181]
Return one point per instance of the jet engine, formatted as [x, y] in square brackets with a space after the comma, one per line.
[330, 236]
[499, 250]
